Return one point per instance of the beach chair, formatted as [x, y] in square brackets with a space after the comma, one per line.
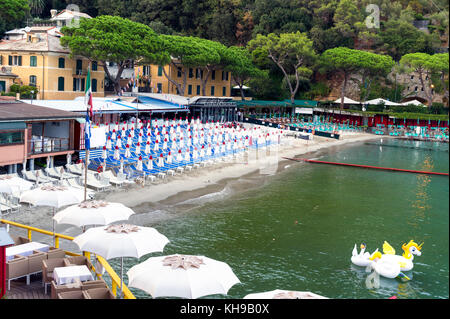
[112, 178]
[93, 182]
[76, 169]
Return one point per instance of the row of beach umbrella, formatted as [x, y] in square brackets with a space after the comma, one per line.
[177, 275]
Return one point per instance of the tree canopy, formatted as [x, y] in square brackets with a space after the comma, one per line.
[291, 52]
[114, 39]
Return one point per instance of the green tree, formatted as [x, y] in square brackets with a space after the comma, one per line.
[291, 52]
[12, 14]
[114, 39]
[186, 52]
[425, 66]
[36, 6]
[349, 62]
[239, 62]
[400, 38]
[374, 67]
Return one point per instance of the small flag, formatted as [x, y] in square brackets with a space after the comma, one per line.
[87, 132]
[88, 94]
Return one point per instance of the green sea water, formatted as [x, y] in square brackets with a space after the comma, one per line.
[295, 230]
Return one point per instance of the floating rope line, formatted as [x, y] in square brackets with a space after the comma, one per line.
[405, 146]
[366, 166]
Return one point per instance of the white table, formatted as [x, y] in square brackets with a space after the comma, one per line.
[72, 274]
[25, 249]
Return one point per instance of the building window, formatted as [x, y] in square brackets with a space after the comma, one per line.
[15, 60]
[412, 77]
[212, 90]
[198, 89]
[213, 75]
[160, 70]
[79, 64]
[146, 70]
[421, 89]
[94, 66]
[189, 89]
[94, 85]
[191, 73]
[415, 89]
[224, 91]
[61, 83]
[33, 60]
[32, 80]
[179, 72]
[11, 137]
[78, 84]
[159, 87]
[61, 63]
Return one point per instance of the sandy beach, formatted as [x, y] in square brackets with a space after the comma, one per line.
[149, 201]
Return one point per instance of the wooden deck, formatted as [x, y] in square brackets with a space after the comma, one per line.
[20, 289]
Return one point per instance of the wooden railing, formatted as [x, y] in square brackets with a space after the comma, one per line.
[115, 279]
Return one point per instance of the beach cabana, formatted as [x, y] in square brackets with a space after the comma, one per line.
[380, 101]
[413, 102]
[346, 101]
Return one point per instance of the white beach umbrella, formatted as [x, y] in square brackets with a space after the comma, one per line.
[187, 156]
[119, 141]
[53, 196]
[208, 150]
[93, 213]
[150, 163]
[132, 130]
[195, 153]
[202, 152]
[156, 147]
[149, 137]
[138, 148]
[182, 276]
[116, 153]
[158, 137]
[179, 156]
[147, 148]
[139, 166]
[169, 158]
[140, 138]
[160, 161]
[181, 142]
[165, 144]
[122, 240]
[127, 151]
[284, 294]
[129, 140]
[108, 143]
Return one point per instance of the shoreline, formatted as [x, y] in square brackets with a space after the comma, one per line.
[179, 191]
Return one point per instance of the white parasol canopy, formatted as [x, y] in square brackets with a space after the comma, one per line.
[182, 276]
[122, 240]
[54, 196]
[284, 294]
[93, 213]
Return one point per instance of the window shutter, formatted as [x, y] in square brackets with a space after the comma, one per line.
[9, 60]
[74, 84]
[82, 84]
[20, 60]
[60, 83]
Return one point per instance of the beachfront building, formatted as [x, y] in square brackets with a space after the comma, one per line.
[153, 80]
[30, 132]
[38, 59]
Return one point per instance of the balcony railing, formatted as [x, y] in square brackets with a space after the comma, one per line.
[39, 145]
[81, 72]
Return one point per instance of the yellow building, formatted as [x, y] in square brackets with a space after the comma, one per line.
[152, 77]
[39, 60]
